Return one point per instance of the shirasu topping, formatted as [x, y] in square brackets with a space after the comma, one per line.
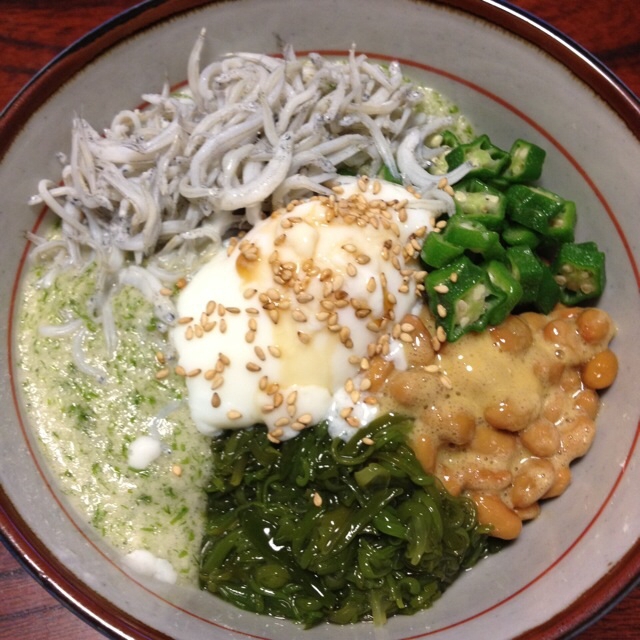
[151, 197]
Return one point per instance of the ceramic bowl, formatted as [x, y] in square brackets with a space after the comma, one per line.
[514, 79]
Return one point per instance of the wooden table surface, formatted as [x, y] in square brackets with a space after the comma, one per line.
[34, 31]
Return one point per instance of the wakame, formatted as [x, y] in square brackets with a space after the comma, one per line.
[315, 529]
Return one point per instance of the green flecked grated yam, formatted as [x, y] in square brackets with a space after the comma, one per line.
[85, 426]
[385, 539]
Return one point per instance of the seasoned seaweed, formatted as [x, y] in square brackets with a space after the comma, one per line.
[315, 529]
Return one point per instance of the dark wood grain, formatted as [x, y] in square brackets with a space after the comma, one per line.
[32, 32]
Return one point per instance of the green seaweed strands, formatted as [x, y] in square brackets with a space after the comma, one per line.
[381, 538]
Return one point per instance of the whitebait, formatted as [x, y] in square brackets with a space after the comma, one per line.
[160, 188]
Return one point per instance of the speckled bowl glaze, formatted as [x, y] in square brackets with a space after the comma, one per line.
[583, 550]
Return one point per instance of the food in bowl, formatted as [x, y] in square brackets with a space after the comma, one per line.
[314, 316]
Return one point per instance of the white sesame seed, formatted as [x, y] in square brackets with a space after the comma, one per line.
[274, 351]
[328, 305]
[298, 315]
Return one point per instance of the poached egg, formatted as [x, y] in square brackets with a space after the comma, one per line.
[279, 328]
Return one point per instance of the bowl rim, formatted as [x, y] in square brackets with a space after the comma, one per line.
[17, 536]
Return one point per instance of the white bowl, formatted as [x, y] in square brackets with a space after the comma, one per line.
[584, 547]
